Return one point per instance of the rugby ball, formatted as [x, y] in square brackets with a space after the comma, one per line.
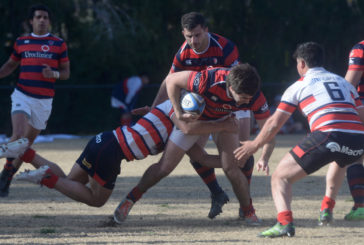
[192, 103]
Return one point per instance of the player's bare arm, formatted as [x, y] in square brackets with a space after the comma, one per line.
[353, 77]
[174, 83]
[269, 130]
[229, 125]
[64, 70]
[161, 95]
[262, 163]
[9, 66]
[141, 111]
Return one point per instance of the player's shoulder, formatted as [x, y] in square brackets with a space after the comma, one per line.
[220, 39]
[55, 38]
[217, 36]
[183, 47]
[24, 36]
[359, 45]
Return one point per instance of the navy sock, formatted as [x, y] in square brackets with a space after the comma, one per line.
[208, 176]
[10, 168]
[355, 177]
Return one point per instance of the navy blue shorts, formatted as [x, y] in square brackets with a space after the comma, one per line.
[320, 148]
[101, 159]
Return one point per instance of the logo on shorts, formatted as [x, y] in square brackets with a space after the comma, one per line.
[335, 147]
[98, 138]
[86, 163]
[265, 107]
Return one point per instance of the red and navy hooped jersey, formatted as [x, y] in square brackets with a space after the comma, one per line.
[211, 84]
[356, 62]
[327, 100]
[33, 52]
[221, 52]
[149, 135]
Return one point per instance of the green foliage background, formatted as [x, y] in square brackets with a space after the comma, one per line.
[109, 40]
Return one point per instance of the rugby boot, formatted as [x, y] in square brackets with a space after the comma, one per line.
[217, 201]
[122, 211]
[279, 230]
[33, 176]
[14, 149]
[326, 217]
[355, 214]
[250, 219]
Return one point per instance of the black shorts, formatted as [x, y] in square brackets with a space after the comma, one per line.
[320, 148]
[101, 159]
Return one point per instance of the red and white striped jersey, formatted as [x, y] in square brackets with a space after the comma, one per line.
[33, 51]
[327, 100]
[149, 135]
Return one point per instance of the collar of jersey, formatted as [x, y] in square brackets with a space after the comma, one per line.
[35, 35]
[313, 70]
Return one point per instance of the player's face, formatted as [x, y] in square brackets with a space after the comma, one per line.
[197, 38]
[240, 98]
[40, 22]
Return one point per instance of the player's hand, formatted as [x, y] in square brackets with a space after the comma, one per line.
[49, 73]
[141, 111]
[189, 117]
[263, 165]
[244, 151]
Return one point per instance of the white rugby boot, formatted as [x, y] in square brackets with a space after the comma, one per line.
[122, 211]
[33, 176]
[14, 149]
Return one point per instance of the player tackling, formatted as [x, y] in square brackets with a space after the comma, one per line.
[93, 176]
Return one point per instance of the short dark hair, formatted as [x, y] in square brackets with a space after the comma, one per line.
[312, 53]
[36, 7]
[243, 78]
[193, 19]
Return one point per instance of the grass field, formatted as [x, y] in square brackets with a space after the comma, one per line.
[173, 212]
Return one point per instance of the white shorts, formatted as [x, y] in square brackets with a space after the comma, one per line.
[185, 141]
[37, 110]
[242, 114]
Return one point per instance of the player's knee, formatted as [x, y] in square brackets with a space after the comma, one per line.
[279, 179]
[97, 202]
[229, 170]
